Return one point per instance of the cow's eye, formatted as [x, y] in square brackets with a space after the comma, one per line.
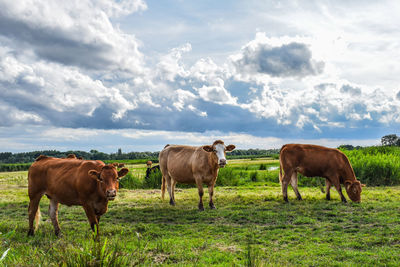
[214, 150]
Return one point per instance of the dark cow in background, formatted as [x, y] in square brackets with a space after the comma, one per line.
[189, 164]
[88, 183]
[313, 160]
[153, 169]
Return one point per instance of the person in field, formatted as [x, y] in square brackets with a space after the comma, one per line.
[192, 165]
[313, 160]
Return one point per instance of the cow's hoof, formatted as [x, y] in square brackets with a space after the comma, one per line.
[212, 207]
[57, 232]
[201, 208]
[171, 202]
[299, 198]
[286, 199]
[31, 232]
[328, 198]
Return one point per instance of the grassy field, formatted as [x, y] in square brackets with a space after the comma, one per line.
[251, 226]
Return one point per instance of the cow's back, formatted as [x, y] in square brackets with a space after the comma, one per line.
[313, 160]
[62, 179]
[182, 162]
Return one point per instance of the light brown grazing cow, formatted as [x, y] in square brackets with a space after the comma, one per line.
[148, 163]
[311, 161]
[88, 183]
[189, 164]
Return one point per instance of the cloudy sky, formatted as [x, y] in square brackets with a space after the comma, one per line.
[136, 74]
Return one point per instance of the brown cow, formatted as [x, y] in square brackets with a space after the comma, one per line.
[88, 183]
[148, 163]
[311, 161]
[189, 164]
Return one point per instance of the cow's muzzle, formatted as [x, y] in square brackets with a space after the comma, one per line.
[222, 163]
[111, 194]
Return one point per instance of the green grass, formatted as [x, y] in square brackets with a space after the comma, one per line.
[251, 226]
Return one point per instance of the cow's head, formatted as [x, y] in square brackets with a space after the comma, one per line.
[148, 163]
[108, 178]
[353, 189]
[219, 148]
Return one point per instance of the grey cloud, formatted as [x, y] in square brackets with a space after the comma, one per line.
[90, 42]
[324, 86]
[294, 59]
[354, 91]
[55, 45]
[398, 95]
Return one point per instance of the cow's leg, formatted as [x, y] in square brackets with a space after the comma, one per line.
[33, 211]
[285, 182]
[170, 190]
[91, 215]
[53, 211]
[293, 182]
[211, 194]
[328, 189]
[173, 183]
[336, 183]
[199, 184]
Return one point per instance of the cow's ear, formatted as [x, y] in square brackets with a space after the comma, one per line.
[123, 172]
[95, 175]
[347, 183]
[208, 148]
[230, 147]
[115, 164]
[120, 165]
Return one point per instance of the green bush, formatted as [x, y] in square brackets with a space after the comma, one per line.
[226, 177]
[12, 167]
[153, 181]
[275, 156]
[131, 182]
[254, 176]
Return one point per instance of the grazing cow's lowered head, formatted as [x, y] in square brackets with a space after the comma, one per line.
[108, 178]
[353, 189]
[219, 149]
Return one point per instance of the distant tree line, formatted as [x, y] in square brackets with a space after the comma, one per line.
[26, 157]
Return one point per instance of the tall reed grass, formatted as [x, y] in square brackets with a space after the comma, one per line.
[379, 165]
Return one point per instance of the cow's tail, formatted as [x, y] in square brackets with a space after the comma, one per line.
[280, 165]
[163, 187]
[37, 218]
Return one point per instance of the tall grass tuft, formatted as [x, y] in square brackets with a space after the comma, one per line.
[226, 177]
[254, 176]
[379, 165]
[130, 181]
[153, 181]
[263, 167]
[94, 254]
